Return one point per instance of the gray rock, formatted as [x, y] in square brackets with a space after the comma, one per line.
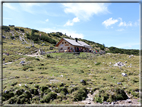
[105, 102]
[119, 83]
[124, 74]
[22, 62]
[119, 64]
[128, 101]
[27, 47]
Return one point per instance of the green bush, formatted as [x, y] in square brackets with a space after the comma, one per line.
[79, 95]
[19, 92]
[21, 29]
[12, 37]
[34, 91]
[6, 28]
[7, 94]
[49, 96]
[49, 56]
[17, 36]
[16, 28]
[12, 100]
[26, 67]
[110, 95]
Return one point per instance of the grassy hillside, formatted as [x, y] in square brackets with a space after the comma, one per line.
[62, 78]
[52, 38]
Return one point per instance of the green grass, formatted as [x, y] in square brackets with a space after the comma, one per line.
[65, 68]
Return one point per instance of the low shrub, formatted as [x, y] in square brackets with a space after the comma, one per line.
[6, 95]
[16, 28]
[79, 95]
[110, 95]
[34, 91]
[50, 96]
[49, 56]
[12, 100]
[19, 92]
[26, 67]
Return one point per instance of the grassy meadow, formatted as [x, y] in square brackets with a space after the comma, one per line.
[56, 78]
[63, 78]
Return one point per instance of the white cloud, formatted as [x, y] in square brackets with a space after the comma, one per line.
[85, 10]
[137, 23]
[71, 33]
[8, 5]
[28, 7]
[120, 30]
[123, 23]
[76, 19]
[109, 22]
[47, 20]
[71, 23]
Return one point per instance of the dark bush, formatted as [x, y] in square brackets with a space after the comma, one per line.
[79, 95]
[6, 28]
[21, 29]
[110, 95]
[7, 94]
[50, 96]
[12, 37]
[19, 92]
[49, 56]
[17, 36]
[12, 100]
[11, 25]
[26, 67]
[16, 28]
[34, 91]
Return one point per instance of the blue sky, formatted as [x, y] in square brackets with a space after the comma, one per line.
[112, 24]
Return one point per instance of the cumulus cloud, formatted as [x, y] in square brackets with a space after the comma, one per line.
[85, 10]
[71, 23]
[123, 23]
[71, 33]
[109, 22]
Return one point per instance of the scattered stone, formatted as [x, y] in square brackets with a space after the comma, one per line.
[22, 62]
[3, 36]
[119, 64]
[110, 63]
[125, 61]
[124, 74]
[119, 83]
[26, 85]
[61, 75]
[27, 47]
[19, 84]
[105, 102]
[128, 101]
[131, 56]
